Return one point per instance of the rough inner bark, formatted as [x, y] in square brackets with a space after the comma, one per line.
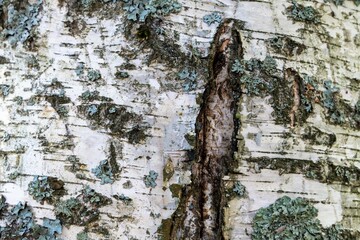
[200, 212]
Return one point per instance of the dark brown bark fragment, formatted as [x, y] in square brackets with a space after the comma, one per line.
[200, 212]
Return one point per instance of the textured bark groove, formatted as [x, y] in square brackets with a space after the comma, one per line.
[200, 212]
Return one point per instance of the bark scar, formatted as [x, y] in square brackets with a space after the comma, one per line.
[200, 212]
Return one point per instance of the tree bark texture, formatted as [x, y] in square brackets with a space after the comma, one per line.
[176, 124]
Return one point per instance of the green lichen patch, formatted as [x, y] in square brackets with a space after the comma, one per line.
[122, 74]
[82, 236]
[83, 209]
[91, 96]
[72, 211]
[322, 171]
[3, 205]
[262, 78]
[89, 195]
[341, 2]
[19, 20]
[18, 223]
[337, 110]
[115, 118]
[318, 137]
[239, 189]
[307, 14]
[161, 47]
[77, 10]
[93, 75]
[108, 169]
[287, 219]
[5, 90]
[74, 164]
[104, 172]
[123, 198]
[188, 78]
[295, 218]
[150, 179]
[43, 188]
[234, 189]
[286, 46]
[214, 17]
[256, 76]
[140, 10]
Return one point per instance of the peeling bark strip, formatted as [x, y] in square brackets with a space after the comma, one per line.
[200, 213]
[294, 77]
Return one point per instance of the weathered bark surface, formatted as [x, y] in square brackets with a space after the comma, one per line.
[54, 124]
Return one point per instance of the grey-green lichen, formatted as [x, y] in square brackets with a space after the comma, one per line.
[150, 179]
[3, 205]
[19, 20]
[90, 96]
[322, 171]
[123, 198]
[79, 70]
[74, 164]
[115, 118]
[239, 189]
[189, 79]
[6, 137]
[337, 110]
[82, 236]
[18, 223]
[341, 2]
[214, 17]
[83, 209]
[43, 188]
[307, 14]
[121, 74]
[5, 90]
[256, 76]
[287, 219]
[140, 10]
[238, 67]
[294, 219]
[93, 75]
[108, 169]
[262, 78]
[316, 136]
[286, 46]
[104, 172]
[87, 4]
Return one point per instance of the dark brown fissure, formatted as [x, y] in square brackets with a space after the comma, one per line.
[200, 212]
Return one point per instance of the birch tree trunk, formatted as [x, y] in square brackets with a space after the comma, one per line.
[180, 119]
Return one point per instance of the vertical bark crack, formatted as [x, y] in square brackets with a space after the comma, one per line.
[293, 76]
[200, 212]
